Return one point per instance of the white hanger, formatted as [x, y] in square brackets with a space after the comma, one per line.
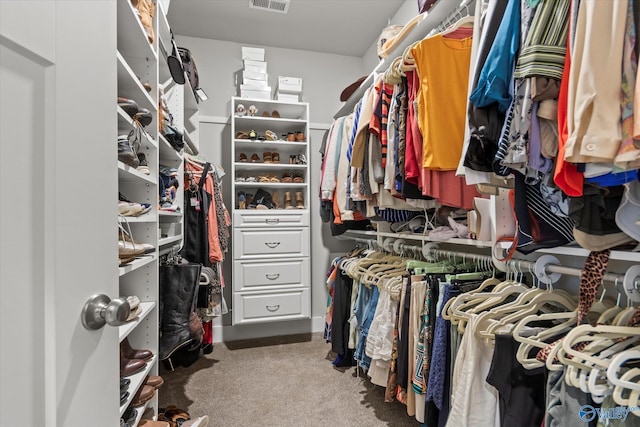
[616, 362]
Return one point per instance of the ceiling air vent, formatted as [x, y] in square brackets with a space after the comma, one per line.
[277, 6]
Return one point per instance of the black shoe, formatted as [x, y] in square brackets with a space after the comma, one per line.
[143, 165]
[124, 383]
[124, 395]
[125, 152]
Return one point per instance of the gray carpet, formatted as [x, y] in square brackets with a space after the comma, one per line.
[282, 381]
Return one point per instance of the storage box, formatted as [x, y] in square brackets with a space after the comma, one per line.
[255, 66]
[289, 84]
[254, 75]
[287, 97]
[255, 83]
[255, 92]
[253, 53]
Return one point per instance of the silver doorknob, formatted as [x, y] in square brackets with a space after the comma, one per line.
[100, 310]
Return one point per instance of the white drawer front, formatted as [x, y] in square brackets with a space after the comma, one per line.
[293, 218]
[256, 275]
[291, 242]
[272, 306]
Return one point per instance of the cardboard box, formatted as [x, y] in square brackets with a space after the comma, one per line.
[253, 53]
[253, 75]
[289, 84]
[287, 97]
[255, 66]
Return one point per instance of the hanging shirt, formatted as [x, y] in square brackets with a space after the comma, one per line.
[442, 65]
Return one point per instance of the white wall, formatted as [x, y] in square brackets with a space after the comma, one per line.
[324, 78]
[406, 12]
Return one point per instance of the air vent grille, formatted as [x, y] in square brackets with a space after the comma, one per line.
[277, 6]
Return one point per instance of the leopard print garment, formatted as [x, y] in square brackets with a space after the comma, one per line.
[590, 279]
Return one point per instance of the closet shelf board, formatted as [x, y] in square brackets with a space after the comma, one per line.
[248, 120]
[169, 240]
[137, 381]
[136, 264]
[132, 39]
[190, 143]
[127, 173]
[167, 153]
[438, 13]
[271, 184]
[165, 214]
[129, 86]
[287, 110]
[125, 330]
[280, 166]
[164, 30]
[578, 251]
[268, 144]
[148, 217]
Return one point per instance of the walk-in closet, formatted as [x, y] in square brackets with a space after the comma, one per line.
[329, 213]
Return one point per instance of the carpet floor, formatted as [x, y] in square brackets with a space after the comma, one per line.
[281, 381]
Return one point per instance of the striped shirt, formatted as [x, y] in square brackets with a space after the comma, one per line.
[544, 48]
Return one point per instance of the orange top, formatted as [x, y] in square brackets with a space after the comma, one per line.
[443, 68]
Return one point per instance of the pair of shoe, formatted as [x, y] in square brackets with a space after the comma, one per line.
[299, 200]
[268, 157]
[128, 208]
[295, 137]
[297, 159]
[275, 114]
[141, 116]
[244, 200]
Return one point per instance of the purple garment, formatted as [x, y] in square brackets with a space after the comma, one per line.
[536, 161]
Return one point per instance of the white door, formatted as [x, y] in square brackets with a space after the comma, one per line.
[58, 189]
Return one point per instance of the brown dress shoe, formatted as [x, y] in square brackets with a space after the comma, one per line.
[154, 381]
[131, 353]
[130, 366]
[144, 394]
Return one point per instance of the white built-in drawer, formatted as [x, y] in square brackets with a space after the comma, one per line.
[258, 307]
[290, 242]
[260, 275]
[262, 219]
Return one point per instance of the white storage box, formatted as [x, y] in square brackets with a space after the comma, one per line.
[253, 53]
[255, 83]
[255, 92]
[290, 84]
[254, 75]
[287, 97]
[255, 66]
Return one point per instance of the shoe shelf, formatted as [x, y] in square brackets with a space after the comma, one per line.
[248, 144]
[169, 240]
[136, 264]
[249, 120]
[262, 124]
[129, 86]
[132, 38]
[126, 329]
[190, 142]
[148, 217]
[136, 382]
[260, 165]
[127, 173]
[168, 155]
[271, 184]
[287, 110]
[167, 214]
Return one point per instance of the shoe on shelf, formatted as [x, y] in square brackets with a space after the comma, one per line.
[243, 157]
[286, 177]
[287, 200]
[130, 366]
[143, 395]
[291, 137]
[126, 241]
[124, 383]
[143, 117]
[300, 137]
[266, 157]
[270, 135]
[132, 353]
[143, 166]
[275, 197]
[275, 114]
[129, 106]
[255, 158]
[154, 381]
[124, 395]
[126, 154]
[299, 200]
[275, 157]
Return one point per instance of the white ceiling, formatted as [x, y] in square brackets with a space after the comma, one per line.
[346, 27]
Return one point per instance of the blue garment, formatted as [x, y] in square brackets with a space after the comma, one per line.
[364, 323]
[612, 179]
[496, 75]
[438, 369]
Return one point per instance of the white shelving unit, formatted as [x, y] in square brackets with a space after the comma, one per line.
[137, 64]
[270, 247]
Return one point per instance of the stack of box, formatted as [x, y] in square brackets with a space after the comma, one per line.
[255, 80]
[289, 89]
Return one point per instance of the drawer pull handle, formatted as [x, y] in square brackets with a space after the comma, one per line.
[272, 220]
[273, 308]
[272, 244]
[272, 276]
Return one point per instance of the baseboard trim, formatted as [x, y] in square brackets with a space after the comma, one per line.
[223, 333]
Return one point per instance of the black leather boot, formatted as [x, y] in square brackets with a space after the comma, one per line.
[178, 292]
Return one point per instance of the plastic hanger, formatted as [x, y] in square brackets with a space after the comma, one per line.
[466, 21]
[616, 362]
